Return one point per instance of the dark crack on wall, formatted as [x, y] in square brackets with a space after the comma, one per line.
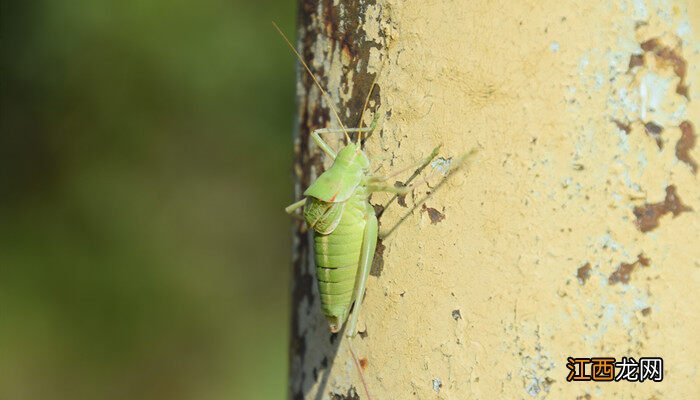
[624, 271]
[685, 144]
[648, 215]
[584, 273]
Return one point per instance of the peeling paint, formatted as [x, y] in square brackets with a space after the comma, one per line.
[437, 384]
[648, 215]
[435, 215]
[686, 144]
[584, 273]
[624, 270]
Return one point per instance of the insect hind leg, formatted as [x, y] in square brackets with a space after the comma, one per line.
[456, 164]
[369, 244]
[380, 185]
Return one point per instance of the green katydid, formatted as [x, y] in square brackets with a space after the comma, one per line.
[345, 226]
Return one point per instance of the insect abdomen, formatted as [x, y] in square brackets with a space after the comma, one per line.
[337, 258]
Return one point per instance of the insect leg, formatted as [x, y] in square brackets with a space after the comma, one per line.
[458, 163]
[369, 243]
[349, 130]
[316, 136]
[383, 187]
[419, 166]
[322, 144]
[295, 206]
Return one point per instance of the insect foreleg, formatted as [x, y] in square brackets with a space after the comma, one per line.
[322, 144]
[316, 136]
[295, 206]
[369, 243]
[419, 166]
[384, 187]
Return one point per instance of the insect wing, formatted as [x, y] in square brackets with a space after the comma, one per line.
[321, 216]
[335, 185]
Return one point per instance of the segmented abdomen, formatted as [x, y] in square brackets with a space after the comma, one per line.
[337, 257]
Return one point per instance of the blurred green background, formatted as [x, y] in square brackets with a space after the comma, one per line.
[145, 160]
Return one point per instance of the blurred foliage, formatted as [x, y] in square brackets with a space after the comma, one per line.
[145, 158]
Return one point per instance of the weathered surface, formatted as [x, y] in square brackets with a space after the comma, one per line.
[573, 232]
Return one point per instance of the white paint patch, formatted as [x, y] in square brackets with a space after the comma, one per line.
[684, 30]
[606, 241]
[371, 26]
[437, 384]
[653, 89]
[640, 11]
[582, 64]
[534, 388]
[442, 165]
[624, 143]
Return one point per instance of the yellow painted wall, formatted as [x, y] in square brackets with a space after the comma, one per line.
[574, 230]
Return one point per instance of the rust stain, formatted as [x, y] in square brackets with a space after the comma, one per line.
[583, 273]
[643, 260]
[624, 270]
[435, 215]
[670, 57]
[685, 144]
[648, 215]
[636, 60]
[363, 363]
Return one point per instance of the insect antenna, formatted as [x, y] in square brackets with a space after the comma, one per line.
[328, 98]
[364, 107]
